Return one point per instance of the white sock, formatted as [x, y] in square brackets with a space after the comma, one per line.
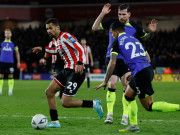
[110, 114]
[55, 122]
[10, 91]
[94, 103]
[125, 115]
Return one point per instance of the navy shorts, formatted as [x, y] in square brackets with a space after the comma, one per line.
[8, 66]
[141, 82]
[120, 69]
[70, 81]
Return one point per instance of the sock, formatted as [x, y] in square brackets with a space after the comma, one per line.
[132, 109]
[11, 83]
[125, 105]
[88, 103]
[1, 83]
[55, 122]
[110, 98]
[164, 107]
[54, 115]
[88, 82]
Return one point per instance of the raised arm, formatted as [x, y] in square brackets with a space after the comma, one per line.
[106, 9]
[152, 28]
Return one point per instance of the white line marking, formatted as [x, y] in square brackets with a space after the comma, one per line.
[88, 118]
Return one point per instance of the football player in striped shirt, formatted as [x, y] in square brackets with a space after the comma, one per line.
[71, 77]
[88, 56]
[8, 47]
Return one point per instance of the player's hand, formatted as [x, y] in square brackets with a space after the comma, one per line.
[92, 64]
[106, 9]
[36, 50]
[104, 84]
[153, 25]
[18, 65]
[54, 73]
[43, 61]
[79, 69]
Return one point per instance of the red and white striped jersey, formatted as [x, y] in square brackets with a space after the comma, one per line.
[87, 51]
[53, 44]
[70, 50]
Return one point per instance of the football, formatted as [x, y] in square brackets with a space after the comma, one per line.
[39, 121]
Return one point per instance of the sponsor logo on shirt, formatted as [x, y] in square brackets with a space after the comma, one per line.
[72, 40]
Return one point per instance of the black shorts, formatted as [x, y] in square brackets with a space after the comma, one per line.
[70, 81]
[87, 68]
[120, 69]
[8, 66]
[56, 68]
[141, 82]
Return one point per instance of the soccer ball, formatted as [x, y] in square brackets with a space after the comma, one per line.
[39, 121]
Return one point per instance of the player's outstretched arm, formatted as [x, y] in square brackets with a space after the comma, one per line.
[106, 9]
[109, 71]
[37, 50]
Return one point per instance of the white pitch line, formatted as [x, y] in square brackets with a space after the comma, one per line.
[88, 118]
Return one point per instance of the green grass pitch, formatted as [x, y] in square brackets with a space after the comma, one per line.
[29, 99]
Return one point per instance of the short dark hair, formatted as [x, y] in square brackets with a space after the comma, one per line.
[8, 29]
[124, 6]
[53, 20]
[118, 26]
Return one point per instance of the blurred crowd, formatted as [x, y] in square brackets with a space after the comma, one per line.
[163, 48]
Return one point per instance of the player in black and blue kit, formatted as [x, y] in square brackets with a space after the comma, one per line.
[135, 58]
[121, 70]
[7, 60]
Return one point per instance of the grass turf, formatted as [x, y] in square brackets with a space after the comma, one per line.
[29, 99]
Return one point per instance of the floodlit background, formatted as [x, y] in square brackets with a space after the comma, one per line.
[27, 18]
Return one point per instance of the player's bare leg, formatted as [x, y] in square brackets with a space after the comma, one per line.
[67, 102]
[50, 94]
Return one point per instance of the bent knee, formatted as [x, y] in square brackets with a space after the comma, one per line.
[148, 107]
[65, 104]
[48, 92]
[112, 84]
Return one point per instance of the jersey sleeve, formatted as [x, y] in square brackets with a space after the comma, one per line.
[106, 24]
[115, 46]
[140, 31]
[15, 45]
[89, 49]
[72, 42]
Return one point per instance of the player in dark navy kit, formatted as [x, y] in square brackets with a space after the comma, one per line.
[121, 70]
[134, 56]
[7, 60]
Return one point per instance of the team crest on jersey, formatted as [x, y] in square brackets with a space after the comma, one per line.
[72, 40]
[6, 48]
